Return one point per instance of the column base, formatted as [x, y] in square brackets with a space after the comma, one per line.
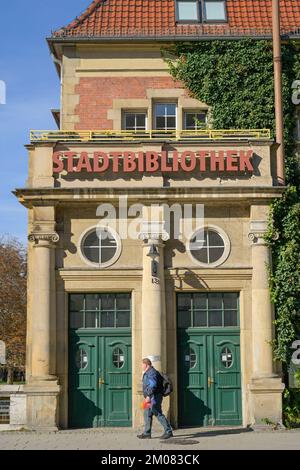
[42, 404]
[266, 402]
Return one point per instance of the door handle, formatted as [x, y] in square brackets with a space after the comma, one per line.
[101, 382]
[210, 381]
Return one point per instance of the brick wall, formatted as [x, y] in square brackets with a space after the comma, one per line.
[96, 96]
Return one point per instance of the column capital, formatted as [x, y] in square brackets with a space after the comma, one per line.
[154, 232]
[45, 238]
[258, 229]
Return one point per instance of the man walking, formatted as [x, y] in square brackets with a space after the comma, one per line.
[153, 393]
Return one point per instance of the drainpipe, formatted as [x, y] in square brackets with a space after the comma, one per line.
[277, 59]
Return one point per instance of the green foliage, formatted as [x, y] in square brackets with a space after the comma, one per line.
[235, 78]
[291, 408]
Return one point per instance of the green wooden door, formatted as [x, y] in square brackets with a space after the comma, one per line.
[100, 382]
[209, 372]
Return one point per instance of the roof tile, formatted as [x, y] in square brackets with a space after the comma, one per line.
[141, 18]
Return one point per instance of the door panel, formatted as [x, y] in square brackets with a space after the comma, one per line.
[118, 382]
[227, 379]
[83, 409]
[209, 378]
[193, 398]
[100, 387]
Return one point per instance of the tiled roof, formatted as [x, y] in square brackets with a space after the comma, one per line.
[156, 18]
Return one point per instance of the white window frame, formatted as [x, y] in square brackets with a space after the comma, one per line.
[193, 111]
[87, 232]
[227, 246]
[158, 102]
[134, 111]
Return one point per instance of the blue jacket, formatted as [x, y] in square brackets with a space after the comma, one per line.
[152, 383]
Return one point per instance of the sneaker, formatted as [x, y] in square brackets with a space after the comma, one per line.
[144, 436]
[167, 435]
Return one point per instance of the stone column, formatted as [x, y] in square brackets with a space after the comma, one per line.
[266, 387]
[42, 387]
[42, 308]
[153, 297]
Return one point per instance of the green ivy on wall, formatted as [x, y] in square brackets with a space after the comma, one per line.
[235, 78]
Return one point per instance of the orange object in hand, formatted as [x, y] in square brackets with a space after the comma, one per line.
[146, 404]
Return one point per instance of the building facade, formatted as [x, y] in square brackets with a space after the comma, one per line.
[146, 229]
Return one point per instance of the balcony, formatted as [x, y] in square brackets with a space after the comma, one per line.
[149, 135]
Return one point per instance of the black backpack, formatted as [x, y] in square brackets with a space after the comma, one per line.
[167, 386]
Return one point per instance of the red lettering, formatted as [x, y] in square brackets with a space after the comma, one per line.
[104, 162]
[231, 160]
[245, 163]
[152, 163]
[84, 163]
[188, 161]
[129, 162]
[217, 161]
[57, 160]
[202, 159]
[164, 162]
[70, 156]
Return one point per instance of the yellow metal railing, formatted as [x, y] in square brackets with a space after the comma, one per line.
[109, 135]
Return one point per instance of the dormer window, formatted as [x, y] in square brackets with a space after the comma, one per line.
[214, 11]
[197, 11]
[188, 11]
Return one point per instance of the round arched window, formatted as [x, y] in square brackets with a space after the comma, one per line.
[209, 246]
[100, 246]
[190, 358]
[81, 359]
[118, 358]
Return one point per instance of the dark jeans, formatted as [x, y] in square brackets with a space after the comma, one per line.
[156, 411]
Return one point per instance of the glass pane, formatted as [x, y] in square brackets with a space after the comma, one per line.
[171, 122]
[76, 302]
[199, 301]
[129, 121]
[123, 319]
[160, 123]
[214, 239]
[107, 254]
[91, 302]
[200, 318]
[184, 319]
[201, 117]
[190, 121]
[215, 254]
[107, 302]
[230, 300]
[230, 318]
[107, 319]
[215, 10]
[107, 238]
[190, 358]
[226, 358]
[81, 359]
[184, 301]
[187, 10]
[118, 358]
[171, 109]
[200, 239]
[200, 255]
[160, 110]
[215, 318]
[215, 301]
[92, 254]
[76, 320]
[141, 120]
[92, 239]
[123, 301]
[90, 319]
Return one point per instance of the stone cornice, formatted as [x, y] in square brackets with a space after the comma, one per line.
[36, 237]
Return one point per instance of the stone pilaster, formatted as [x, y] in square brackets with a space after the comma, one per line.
[153, 296]
[42, 387]
[266, 387]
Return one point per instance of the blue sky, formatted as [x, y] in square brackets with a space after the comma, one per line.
[32, 89]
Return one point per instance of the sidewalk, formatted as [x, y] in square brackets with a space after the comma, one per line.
[125, 439]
